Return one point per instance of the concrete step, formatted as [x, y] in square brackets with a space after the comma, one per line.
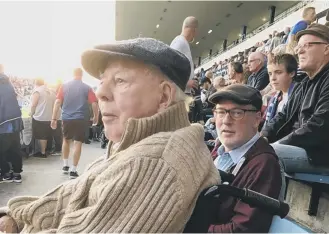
[298, 197]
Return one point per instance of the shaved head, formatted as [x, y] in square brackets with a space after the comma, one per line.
[189, 29]
[190, 22]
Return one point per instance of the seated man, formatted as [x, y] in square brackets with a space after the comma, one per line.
[208, 89]
[282, 69]
[157, 163]
[219, 83]
[259, 77]
[246, 155]
[300, 131]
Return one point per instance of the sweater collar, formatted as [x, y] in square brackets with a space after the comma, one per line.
[172, 119]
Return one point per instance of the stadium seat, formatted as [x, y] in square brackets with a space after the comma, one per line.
[313, 178]
[286, 226]
[317, 183]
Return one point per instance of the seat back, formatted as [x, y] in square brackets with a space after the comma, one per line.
[286, 226]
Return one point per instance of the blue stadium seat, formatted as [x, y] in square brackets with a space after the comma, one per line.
[286, 226]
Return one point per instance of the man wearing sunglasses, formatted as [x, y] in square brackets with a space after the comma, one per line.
[246, 155]
[300, 131]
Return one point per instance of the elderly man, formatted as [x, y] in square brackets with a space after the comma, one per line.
[300, 130]
[259, 78]
[247, 156]
[157, 163]
[219, 83]
[181, 43]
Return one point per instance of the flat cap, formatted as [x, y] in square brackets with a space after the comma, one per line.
[171, 62]
[317, 30]
[240, 94]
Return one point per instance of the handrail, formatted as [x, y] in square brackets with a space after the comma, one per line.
[259, 29]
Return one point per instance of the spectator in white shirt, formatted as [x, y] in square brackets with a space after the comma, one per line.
[181, 43]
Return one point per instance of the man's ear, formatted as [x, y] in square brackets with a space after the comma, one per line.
[292, 74]
[326, 51]
[168, 91]
[258, 119]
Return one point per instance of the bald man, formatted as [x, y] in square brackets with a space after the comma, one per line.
[181, 43]
[259, 76]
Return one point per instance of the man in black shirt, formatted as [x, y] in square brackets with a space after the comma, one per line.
[300, 131]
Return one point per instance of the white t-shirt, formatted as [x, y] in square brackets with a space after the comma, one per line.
[182, 45]
[282, 103]
[44, 108]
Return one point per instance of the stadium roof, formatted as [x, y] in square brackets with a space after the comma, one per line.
[224, 18]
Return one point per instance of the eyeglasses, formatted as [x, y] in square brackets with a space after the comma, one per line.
[235, 113]
[307, 45]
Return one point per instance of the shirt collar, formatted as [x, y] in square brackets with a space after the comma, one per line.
[259, 71]
[237, 153]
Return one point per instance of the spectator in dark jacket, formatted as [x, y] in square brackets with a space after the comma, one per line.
[300, 131]
[247, 156]
[10, 126]
[208, 89]
[259, 78]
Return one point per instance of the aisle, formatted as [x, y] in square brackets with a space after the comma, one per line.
[40, 175]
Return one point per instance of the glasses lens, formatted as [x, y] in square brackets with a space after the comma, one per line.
[237, 114]
[220, 113]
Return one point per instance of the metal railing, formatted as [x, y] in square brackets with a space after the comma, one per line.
[261, 28]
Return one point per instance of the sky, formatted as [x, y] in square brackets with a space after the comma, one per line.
[46, 39]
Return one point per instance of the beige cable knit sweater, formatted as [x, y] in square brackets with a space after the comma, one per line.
[150, 183]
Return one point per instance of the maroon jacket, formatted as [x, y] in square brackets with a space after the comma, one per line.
[261, 173]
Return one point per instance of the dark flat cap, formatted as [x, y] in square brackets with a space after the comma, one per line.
[171, 62]
[318, 30]
[240, 94]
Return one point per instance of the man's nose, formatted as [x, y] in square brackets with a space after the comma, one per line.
[104, 93]
[227, 119]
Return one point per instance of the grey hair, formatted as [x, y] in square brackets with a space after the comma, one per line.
[180, 96]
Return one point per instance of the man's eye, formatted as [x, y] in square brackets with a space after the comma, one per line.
[119, 81]
[237, 112]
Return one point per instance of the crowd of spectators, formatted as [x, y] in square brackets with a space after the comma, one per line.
[281, 75]
[262, 117]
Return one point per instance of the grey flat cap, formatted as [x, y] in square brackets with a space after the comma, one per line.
[171, 62]
[240, 94]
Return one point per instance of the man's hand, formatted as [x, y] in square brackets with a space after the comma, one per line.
[8, 225]
[192, 84]
[53, 124]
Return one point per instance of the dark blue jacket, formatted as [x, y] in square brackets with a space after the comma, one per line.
[10, 113]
